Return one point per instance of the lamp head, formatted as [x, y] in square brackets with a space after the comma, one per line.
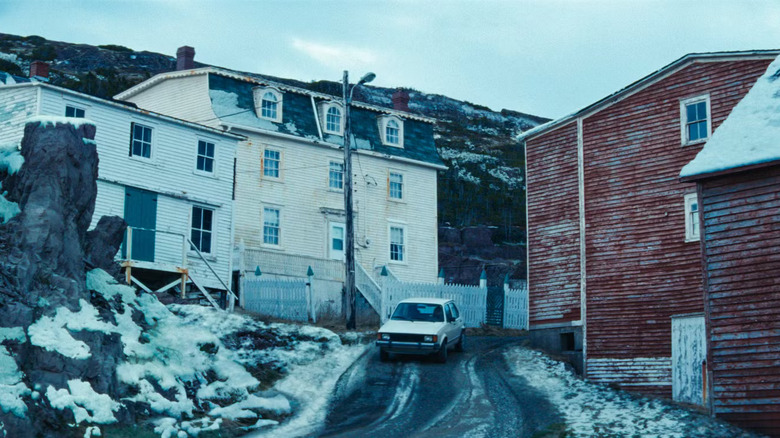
[368, 77]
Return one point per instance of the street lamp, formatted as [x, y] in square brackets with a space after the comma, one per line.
[350, 231]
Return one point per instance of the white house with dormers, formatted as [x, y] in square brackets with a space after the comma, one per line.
[171, 180]
[290, 175]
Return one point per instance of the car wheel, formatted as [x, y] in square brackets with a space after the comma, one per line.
[384, 355]
[460, 346]
[441, 357]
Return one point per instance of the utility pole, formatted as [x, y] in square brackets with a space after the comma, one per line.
[350, 226]
[349, 239]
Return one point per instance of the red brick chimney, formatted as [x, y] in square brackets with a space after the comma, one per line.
[185, 57]
[39, 69]
[401, 100]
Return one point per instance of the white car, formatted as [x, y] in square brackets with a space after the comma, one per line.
[422, 326]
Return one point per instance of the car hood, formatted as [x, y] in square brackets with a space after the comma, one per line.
[415, 328]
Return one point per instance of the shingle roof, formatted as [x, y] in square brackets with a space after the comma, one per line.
[233, 102]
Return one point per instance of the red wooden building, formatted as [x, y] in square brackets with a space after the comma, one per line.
[738, 176]
[614, 260]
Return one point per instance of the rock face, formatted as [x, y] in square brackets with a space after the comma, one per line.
[465, 252]
[42, 265]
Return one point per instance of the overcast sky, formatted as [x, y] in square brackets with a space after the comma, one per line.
[546, 57]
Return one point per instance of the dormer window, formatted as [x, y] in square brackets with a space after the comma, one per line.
[392, 131]
[332, 118]
[268, 103]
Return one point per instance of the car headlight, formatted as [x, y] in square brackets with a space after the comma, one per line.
[430, 338]
[383, 336]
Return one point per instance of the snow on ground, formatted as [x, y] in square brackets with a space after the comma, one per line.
[11, 161]
[196, 368]
[592, 410]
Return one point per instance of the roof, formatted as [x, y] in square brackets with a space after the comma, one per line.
[120, 105]
[749, 136]
[426, 300]
[9, 79]
[232, 100]
[648, 80]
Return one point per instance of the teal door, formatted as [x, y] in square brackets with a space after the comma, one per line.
[140, 212]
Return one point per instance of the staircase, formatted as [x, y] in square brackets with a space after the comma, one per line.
[368, 288]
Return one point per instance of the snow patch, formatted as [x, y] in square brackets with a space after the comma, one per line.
[11, 159]
[84, 402]
[225, 106]
[749, 135]
[54, 120]
[52, 333]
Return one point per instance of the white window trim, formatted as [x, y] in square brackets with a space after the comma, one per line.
[383, 121]
[213, 173]
[258, 93]
[684, 119]
[262, 226]
[343, 226]
[691, 198]
[404, 185]
[76, 106]
[339, 161]
[324, 107]
[402, 226]
[214, 217]
[263, 176]
[153, 152]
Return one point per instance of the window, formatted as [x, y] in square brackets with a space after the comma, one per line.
[272, 160]
[391, 129]
[336, 176]
[395, 186]
[691, 217]
[268, 103]
[205, 156]
[271, 226]
[695, 119]
[333, 120]
[72, 111]
[337, 233]
[202, 228]
[397, 246]
[391, 132]
[141, 142]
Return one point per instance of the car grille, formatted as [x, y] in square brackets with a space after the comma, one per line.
[402, 337]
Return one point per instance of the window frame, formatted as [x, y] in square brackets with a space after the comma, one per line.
[278, 227]
[212, 231]
[690, 235]
[324, 109]
[76, 108]
[263, 161]
[151, 141]
[259, 94]
[684, 103]
[331, 162]
[213, 158]
[404, 243]
[390, 173]
[384, 121]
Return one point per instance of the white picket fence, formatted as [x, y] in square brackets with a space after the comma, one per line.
[471, 300]
[516, 307]
[281, 298]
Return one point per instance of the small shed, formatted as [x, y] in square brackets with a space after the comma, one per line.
[738, 181]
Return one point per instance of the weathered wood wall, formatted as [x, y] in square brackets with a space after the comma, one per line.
[742, 255]
[553, 228]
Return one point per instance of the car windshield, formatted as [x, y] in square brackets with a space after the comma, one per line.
[418, 312]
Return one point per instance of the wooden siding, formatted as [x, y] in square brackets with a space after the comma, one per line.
[553, 228]
[640, 269]
[170, 172]
[649, 375]
[186, 98]
[17, 104]
[741, 216]
[307, 205]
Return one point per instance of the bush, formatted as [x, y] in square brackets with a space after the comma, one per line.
[115, 48]
[10, 67]
[44, 53]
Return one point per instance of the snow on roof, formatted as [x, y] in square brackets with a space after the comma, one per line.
[749, 135]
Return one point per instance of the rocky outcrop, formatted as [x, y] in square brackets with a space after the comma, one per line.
[42, 268]
[465, 252]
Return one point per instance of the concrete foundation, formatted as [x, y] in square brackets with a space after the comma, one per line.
[565, 342]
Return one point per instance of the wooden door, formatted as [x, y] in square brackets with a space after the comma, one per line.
[141, 214]
[689, 351]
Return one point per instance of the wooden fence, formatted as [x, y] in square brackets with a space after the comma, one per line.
[471, 300]
[281, 298]
[516, 307]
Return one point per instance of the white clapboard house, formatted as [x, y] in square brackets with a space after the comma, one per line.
[290, 176]
[170, 179]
